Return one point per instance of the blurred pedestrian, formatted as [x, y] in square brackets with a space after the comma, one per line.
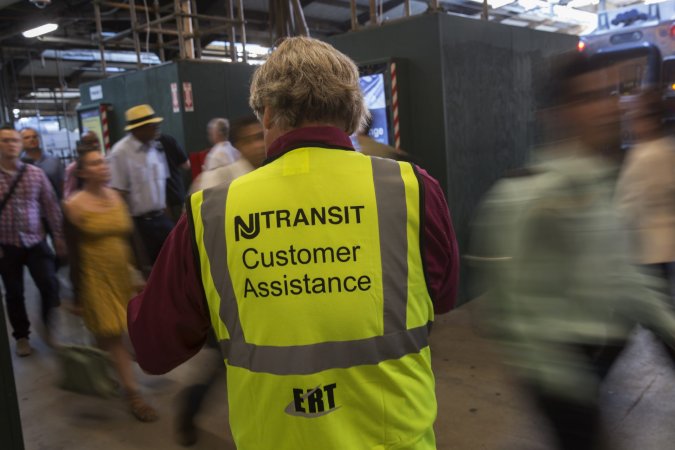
[223, 152]
[33, 153]
[27, 196]
[247, 135]
[646, 189]
[140, 171]
[72, 183]
[105, 285]
[563, 293]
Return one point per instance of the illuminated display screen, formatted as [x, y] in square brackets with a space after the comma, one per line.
[374, 95]
[91, 121]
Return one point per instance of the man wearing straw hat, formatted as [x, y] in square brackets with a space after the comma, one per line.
[140, 171]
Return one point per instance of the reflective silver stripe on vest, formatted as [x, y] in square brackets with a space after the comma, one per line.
[213, 208]
[396, 341]
[314, 358]
[393, 220]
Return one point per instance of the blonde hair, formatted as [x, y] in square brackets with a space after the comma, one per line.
[305, 79]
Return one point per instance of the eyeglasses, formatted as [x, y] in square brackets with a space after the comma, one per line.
[10, 140]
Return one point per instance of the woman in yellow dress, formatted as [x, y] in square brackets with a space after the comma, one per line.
[103, 226]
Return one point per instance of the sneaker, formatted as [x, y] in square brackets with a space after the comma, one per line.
[23, 347]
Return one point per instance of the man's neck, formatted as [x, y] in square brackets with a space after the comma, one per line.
[34, 153]
[145, 143]
[9, 164]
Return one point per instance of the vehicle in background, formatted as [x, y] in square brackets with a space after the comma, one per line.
[641, 39]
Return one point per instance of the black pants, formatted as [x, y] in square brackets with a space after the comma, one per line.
[42, 267]
[153, 232]
[194, 395]
[576, 425]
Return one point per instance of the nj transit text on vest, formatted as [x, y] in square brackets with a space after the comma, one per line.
[284, 218]
[254, 259]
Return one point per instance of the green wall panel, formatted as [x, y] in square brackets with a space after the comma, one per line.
[218, 89]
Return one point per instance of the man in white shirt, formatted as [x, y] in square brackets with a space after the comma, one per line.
[139, 170]
[222, 153]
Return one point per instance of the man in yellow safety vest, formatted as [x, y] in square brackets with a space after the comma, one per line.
[319, 272]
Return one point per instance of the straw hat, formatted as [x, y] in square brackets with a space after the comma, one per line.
[140, 115]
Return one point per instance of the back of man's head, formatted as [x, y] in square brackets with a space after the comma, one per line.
[308, 81]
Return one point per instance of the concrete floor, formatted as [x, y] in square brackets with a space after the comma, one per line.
[480, 405]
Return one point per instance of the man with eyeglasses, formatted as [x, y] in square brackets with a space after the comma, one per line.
[34, 154]
[26, 198]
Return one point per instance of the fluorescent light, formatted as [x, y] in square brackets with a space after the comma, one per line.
[548, 28]
[515, 23]
[39, 31]
[575, 15]
[582, 3]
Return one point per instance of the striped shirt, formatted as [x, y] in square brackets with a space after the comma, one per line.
[21, 222]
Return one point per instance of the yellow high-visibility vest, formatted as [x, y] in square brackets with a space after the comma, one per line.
[314, 278]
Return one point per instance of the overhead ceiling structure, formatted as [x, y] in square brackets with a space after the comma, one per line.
[98, 38]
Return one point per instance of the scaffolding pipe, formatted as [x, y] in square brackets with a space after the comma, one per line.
[99, 36]
[195, 24]
[160, 37]
[134, 28]
[300, 18]
[233, 36]
[126, 6]
[128, 31]
[158, 21]
[209, 30]
[168, 31]
[355, 20]
[243, 31]
[179, 26]
[374, 19]
[406, 8]
[186, 28]
[215, 18]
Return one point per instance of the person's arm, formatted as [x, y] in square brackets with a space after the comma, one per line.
[51, 210]
[70, 182]
[440, 251]
[169, 321]
[119, 178]
[60, 175]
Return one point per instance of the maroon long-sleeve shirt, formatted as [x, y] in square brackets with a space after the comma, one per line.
[169, 321]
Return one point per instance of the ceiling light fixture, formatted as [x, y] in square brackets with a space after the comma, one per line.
[39, 31]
